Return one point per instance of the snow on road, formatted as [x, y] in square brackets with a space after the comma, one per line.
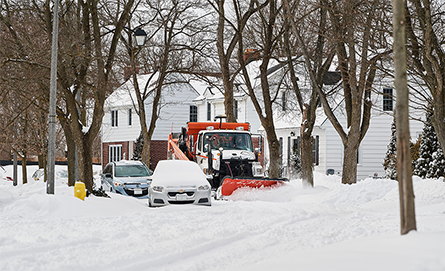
[329, 227]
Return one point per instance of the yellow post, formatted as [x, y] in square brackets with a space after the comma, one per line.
[79, 190]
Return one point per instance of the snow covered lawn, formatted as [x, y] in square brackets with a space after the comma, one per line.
[330, 227]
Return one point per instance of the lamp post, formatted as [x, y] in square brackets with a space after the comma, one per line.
[52, 103]
[140, 36]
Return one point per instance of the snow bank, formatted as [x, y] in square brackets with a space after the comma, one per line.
[290, 227]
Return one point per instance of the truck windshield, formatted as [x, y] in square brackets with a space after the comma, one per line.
[229, 141]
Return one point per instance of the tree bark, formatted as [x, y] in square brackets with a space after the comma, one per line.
[404, 171]
[306, 142]
[349, 173]
[24, 172]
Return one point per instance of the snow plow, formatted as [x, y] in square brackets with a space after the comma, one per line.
[224, 151]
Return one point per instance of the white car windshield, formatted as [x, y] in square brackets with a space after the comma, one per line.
[131, 171]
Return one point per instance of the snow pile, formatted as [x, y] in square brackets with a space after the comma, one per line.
[329, 227]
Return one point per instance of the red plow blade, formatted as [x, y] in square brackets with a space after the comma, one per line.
[230, 184]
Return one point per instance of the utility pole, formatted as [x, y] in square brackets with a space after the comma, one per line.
[52, 103]
[404, 172]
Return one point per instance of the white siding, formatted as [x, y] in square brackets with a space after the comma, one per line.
[202, 111]
[252, 117]
[122, 132]
[373, 146]
[175, 109]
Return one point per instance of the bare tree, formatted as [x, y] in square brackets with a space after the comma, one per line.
[404, 172]
[425, 26]
[358, 53]
[231, 22]
[318, 61]
[270, 29]
[21, 80]
[176, 36]
[86, 66]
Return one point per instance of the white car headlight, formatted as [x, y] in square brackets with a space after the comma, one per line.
[158, 188]
[204, 187]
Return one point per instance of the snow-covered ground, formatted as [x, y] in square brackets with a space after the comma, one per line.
[329, 227]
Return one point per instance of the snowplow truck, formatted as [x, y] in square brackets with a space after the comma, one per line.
[224, 151]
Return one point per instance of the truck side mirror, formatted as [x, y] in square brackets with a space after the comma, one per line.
[206, 147]
[108, 175]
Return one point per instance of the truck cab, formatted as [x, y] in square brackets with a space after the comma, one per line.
[222, 153]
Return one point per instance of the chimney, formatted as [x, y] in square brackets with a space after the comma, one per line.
[251, 55]
[128, 73]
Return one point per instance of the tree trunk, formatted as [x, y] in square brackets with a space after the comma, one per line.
[228, 99]
[41, 158]
[85, 158]
[274, 153]
[404, 171]
[349, 174]
[145, 155]
[306, 158]
[71, 148]
[224, 59]
[24, 173]
[71, 157]
[438, 119]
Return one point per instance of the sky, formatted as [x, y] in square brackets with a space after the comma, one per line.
[328, 227]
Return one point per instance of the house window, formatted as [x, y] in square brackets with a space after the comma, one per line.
[235, 109]
[387, 99]
[193, 113]
[114, 118]
[114, 153]
[129, 116]
[296, 146]
[209, 111]
[281, 151]
[315, 151]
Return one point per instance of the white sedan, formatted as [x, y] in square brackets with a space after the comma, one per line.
[178, 182]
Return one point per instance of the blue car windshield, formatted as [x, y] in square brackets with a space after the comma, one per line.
[132, 171]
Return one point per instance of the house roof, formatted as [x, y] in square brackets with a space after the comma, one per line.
[125, 94]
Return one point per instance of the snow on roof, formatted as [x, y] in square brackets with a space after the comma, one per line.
[199, 86]
[125, 94]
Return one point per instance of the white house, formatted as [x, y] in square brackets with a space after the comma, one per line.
[121, 126]
[327, 148]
